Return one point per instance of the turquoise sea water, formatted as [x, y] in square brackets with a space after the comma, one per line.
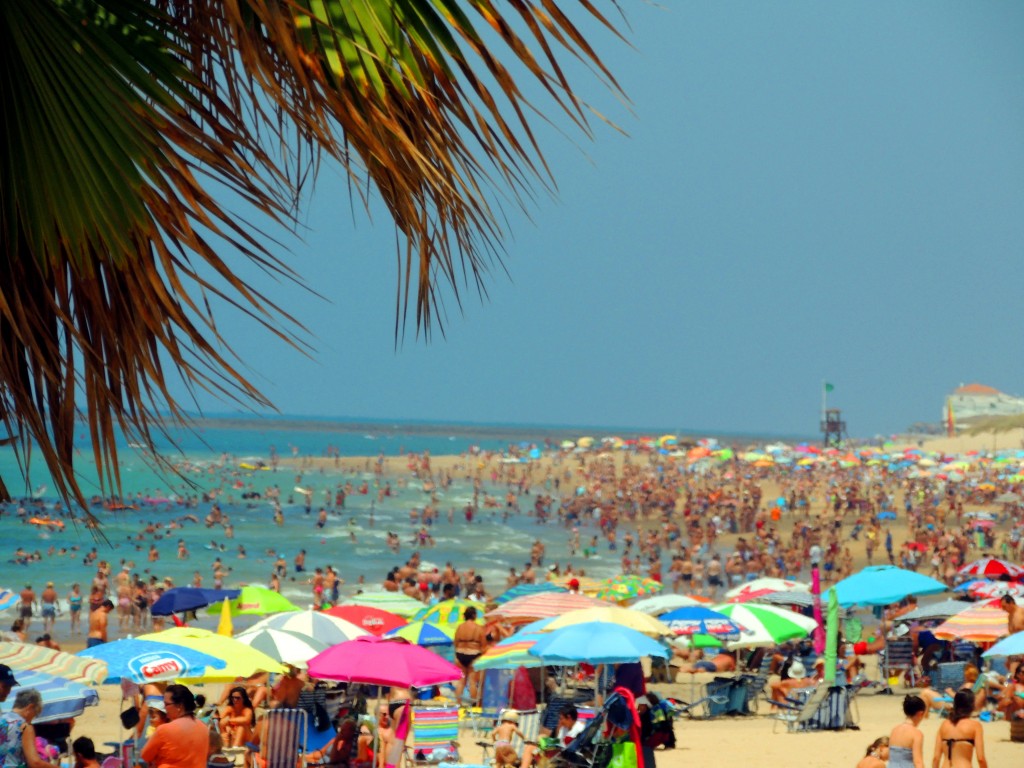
[209, 458]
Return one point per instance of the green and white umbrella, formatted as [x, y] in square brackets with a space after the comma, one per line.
[395, 602]
[284, 646]
[765, 624]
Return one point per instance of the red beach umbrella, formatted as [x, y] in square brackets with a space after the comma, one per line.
[373, 620]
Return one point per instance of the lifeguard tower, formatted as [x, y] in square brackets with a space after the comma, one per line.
[833, 428]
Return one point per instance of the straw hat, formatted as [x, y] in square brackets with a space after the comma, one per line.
[510, 716]
[797, 670]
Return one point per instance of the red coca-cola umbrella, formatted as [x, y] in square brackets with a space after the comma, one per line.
[373, 620]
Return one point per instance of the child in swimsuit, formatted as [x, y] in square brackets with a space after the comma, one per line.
[504, 752]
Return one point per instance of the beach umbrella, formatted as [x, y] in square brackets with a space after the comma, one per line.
[992, 568]
[801, 599]
[654, 606]
[998, 589]
[1008, 646]
[940, 610]
[257, 601]
[587, 585]
[374, 620]
[239, 659]
[284, 646]
[320, 625]
[377, 661]
[766, 585]
[521, 590]
[627, 586]
[980, 623]
[393, 602]
[424, 633]
[182, 599]
[510, 653]
[8, 599]
[1007, 498]
[596, 642]
[542, 606]
[884, 584]
[148, 661]
[25, 657]
[611, 614]
[765, 624]
[448, 611]
[62, 699]
[699, 620]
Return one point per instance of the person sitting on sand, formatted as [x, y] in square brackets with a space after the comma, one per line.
[237, 718]
[724, 661]
[798, 678]
[85, 753]
[877, 754]
[339, 750]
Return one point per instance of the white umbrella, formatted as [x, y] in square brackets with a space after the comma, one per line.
[659, 604]
[764, 586]
[284, 646]
[313, 624]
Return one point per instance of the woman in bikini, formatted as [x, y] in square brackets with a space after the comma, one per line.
[960, 737]
[906, 742]
[237, 718]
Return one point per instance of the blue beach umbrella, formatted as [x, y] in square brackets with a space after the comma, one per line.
[884, 584]
[61, 698]
[424, 633]
[528, 589]
[698, 620]
[8, 599]
[596, 642]
[1008, 646]
[147, 661]
[181, 599]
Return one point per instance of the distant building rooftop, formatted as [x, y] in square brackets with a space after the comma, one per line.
[976, 389]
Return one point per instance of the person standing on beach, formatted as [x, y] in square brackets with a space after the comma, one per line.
[98, 624]
[26, 606]
[49, 605]
[906, 742]
[469, 644]
[75, 598]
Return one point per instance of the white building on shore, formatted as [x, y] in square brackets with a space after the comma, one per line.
[977, 401]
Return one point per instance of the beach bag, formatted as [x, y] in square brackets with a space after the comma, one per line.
[623, 755]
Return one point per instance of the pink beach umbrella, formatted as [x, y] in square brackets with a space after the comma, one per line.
[377, 661]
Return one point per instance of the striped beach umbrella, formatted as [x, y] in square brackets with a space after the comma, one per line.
[22, 657]
[8, 599]
[698, 620]
[543, 606]
[992, 568]
[424, 633]
[284, 646]
[765, 625]
[521, 590]
[981, 623]
[315, 624]
[62, 699]
[394, 602]
[510, 653]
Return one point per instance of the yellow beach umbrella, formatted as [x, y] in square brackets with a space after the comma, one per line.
[585, 442]
[241, 660]
[224, 626]
[625, 617]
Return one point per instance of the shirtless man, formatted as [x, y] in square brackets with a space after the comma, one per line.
[470, 639]
[385, 734]
[27, 605]
[286, 693]
[49, 604]
[1014, 623]
[98, 624]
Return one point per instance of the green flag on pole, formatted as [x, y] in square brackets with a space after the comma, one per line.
[828, 387]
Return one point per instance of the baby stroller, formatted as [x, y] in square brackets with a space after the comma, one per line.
[616, 722]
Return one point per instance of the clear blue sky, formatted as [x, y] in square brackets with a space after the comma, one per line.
[808, 191]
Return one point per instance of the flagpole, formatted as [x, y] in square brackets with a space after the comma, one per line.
[824, 399]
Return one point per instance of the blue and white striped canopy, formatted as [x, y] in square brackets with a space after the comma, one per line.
[61, 698]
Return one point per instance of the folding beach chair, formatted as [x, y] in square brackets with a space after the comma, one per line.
[493, 700]
[900, 659]
[435, 735]
[948, 675]
[283, 742]
[822, 708]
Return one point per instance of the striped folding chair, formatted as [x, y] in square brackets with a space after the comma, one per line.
[283, 742]
[434, 728]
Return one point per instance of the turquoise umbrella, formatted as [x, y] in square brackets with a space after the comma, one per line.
[884, 584]
[596, 642]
